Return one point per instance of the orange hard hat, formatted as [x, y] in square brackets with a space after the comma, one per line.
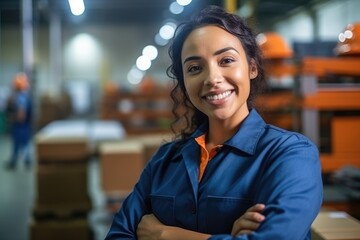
[273, 46]
[349, 41]
[21, 82]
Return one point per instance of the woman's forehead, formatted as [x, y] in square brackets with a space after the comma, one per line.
[211, 38]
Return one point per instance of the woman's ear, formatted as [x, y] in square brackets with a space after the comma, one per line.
[253, 69]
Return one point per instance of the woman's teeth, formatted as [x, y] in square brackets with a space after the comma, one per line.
[218, 96]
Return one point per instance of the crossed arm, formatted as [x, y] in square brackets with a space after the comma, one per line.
[151, 228]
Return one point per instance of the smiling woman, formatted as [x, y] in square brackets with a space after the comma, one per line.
[228, 175]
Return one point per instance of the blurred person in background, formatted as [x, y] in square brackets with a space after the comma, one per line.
[19, 115]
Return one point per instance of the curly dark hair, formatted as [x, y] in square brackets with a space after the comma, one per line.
[187, 117]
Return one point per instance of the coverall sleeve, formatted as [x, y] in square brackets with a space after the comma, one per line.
[291, 188]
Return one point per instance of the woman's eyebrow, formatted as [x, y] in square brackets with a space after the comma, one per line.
[191, 58]
[220, 51]
[224, 50]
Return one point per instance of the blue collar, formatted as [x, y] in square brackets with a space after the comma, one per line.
[246, 137]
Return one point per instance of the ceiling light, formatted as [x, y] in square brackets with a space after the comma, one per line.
[77, 7]
[167, 31]
[135, 76]
[143, 63]
[150, 51]
[160, 41]
[176, 8]
[183, 2]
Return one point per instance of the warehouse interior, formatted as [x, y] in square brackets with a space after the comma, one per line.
[97, 98]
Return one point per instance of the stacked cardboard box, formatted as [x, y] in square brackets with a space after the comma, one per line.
[52, 149]
[121, 165]
[62, 200]
[335, 225]
[61, 229]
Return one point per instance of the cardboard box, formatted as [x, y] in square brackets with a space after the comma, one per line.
[335, 225]
[352, 235]
[59, 230]
[62, 189]
[52, 149]
[121, 165]
[151, 143]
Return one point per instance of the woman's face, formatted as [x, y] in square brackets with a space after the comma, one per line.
[217, 74]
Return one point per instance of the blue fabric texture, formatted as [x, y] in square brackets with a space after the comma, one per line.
[259, 164]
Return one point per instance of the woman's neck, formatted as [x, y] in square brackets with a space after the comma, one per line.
[222, 130]
[219, 133]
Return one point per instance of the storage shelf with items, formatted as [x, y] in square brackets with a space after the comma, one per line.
[139, 112]
[278, 105]
[330, 89]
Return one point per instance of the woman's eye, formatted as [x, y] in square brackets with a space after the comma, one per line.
[193, 69]
[227, 60]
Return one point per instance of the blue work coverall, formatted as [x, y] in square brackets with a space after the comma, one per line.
[259, 164]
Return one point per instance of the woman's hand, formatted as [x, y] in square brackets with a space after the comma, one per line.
[249, 221]
[149, 228]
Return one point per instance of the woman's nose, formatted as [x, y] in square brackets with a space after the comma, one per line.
[214, 77]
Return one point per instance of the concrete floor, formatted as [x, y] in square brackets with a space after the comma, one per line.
[18, 192]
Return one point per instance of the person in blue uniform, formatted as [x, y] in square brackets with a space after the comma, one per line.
[19, 112]
[228, 175]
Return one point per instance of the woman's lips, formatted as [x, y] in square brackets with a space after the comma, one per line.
[218, 96]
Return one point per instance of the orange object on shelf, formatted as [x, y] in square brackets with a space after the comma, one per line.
[111, 88]
[320, 67]
[345, 144]
[148, 84]
[273, 46]
[276, 109]
[333, 99]
[270, 102]
[138, 112]
[279, 69]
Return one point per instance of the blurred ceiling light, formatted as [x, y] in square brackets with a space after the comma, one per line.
[167, 31]
[143, 63]
[160, 41]
[150, 51]
[342, 37]
[83, 48]
[348, 34]
[135, 76]
[77, 7]
[261, 38]
[183, 2]
[176, 8]
[246, 10]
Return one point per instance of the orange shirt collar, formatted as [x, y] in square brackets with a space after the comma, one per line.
[205, 156]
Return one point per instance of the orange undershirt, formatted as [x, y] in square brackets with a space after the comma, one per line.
[205, 156]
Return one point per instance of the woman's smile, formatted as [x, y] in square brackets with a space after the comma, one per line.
[218, 98]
